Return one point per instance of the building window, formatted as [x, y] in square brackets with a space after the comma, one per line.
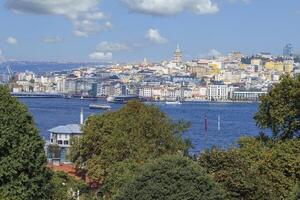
[66, 142]
[66, 136]
[51, 140]
[59, 142]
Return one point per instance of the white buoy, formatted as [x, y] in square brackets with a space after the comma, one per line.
[81, 116]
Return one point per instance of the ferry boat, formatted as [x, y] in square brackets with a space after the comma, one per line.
[173, 103]
[100, 106]
[122, 99]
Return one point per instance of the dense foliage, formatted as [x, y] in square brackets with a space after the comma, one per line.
[65, 187]
[118, 176]
[23, 171]
[295, 194]
[132, 134]
[279, 110]
[255, 169]
[171, 178]
[54, 150]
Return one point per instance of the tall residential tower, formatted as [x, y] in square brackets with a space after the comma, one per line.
[288, 50]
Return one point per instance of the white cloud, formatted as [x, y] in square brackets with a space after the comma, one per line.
[51, 39]
[11, 40]
[106, 46]
[84, 14]
[83, 28]
[154, 36]
[104, 50]
[172, 7]
[103, 56]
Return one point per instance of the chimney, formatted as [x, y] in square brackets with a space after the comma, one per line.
[81, 116]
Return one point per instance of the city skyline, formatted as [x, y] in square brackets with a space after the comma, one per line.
[129, 30]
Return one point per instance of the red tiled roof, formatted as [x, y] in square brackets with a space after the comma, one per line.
[67, 168]
[71, 171]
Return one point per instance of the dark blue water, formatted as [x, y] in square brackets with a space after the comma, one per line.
[236, 118]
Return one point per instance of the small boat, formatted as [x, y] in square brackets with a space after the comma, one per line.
[110, 99]
[122, 99]
[173, 103]
[100, 106]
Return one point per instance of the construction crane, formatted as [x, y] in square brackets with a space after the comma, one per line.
[7, 70]
[10, 72]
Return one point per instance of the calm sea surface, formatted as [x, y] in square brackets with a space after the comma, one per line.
[236, 119]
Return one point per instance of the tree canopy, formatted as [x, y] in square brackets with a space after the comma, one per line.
[171, 178]
[132, 134]
[54, 150]
[279, 110]
[65, 187]
[295, 194]
[23, 171]
[255, 169]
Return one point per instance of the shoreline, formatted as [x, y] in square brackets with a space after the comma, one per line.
[57, 95]
[90, 98]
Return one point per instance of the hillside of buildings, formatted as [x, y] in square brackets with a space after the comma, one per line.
[234, 77]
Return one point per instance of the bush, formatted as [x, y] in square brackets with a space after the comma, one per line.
[171, 178]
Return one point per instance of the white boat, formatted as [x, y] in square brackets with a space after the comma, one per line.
[122, 99]
[100, 106]
[173, 103]
[110, 99]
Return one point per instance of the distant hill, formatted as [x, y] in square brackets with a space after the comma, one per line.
[40, 67]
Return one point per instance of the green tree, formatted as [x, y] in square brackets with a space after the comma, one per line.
[54, 150]
[171, 178]
[65, 187]
[256, 169]
[134, 133]
[23, 171]
[279, 110]
[295, 194]
[118, 176]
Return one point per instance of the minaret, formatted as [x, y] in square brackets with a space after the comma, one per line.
[177, 56]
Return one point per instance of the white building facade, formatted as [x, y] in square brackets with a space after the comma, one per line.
[219, 92]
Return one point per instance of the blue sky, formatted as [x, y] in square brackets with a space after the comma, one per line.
[129, 30]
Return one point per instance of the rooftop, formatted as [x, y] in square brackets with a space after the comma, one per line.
[67, 129]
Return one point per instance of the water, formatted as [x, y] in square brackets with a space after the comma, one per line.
[236, 119]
